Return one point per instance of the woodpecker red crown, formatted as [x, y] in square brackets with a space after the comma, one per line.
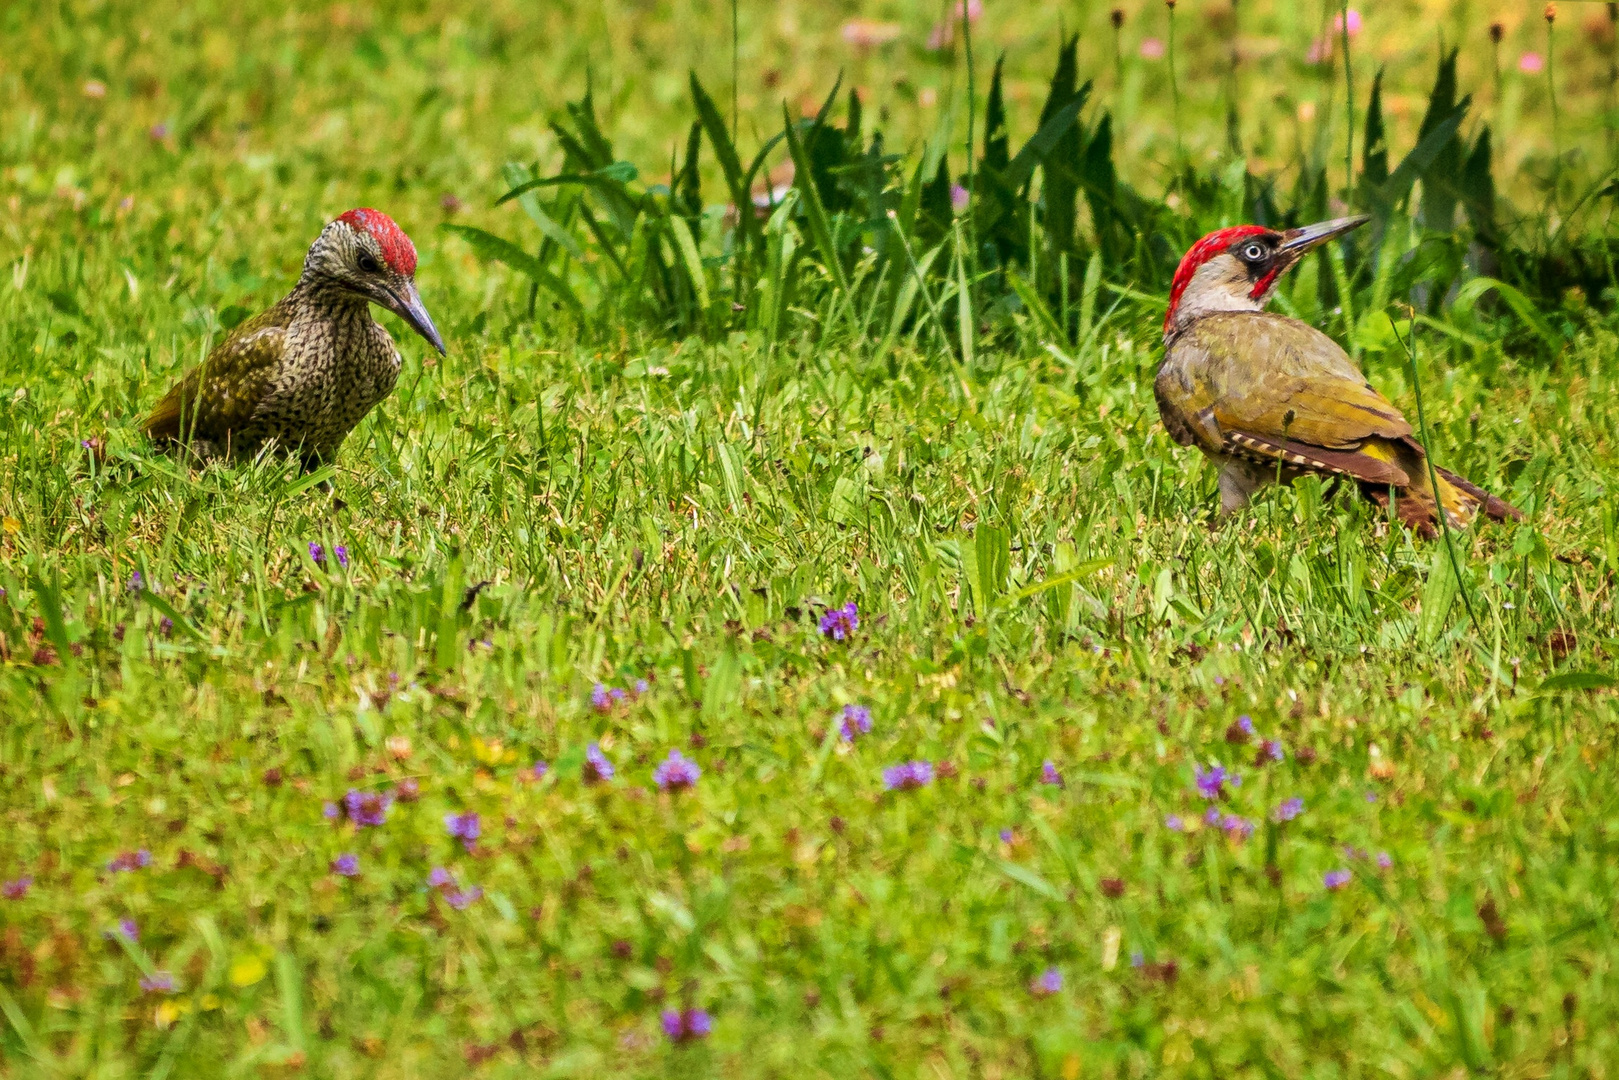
[397, 250]
[1200, 253]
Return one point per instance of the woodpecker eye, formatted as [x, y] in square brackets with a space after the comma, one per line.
[368, 264]
[1253, 252]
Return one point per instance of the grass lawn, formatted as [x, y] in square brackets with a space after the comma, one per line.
[244, 717]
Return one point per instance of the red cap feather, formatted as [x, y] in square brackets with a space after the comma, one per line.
[397, 250]
[1200, 253]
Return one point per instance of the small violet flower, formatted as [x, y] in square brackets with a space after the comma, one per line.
[1531, 63]
[136, 582]
[1269, 750]
[453, 894]
[1211, 816]
[856, 721]
[1237, 828]
[317, 554]
[839, 624]
[1384, 860]
[1336, 879]
[687, 1026]
[464, 827]
[908, 775]
[1050, 775]
[539, 770]
[126, 861]
[341, 553]
[641, 687]
[125, 929]
[347, 865]
[1048, 982]
[676, 773]
[1006, 836]
[369, 808]
[1211, 782]
[600, 699]
[597, 767]
[1289, 809]
[17, 888]
[159, 982]
[1173, 822]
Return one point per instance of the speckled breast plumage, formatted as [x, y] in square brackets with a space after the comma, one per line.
[336, 366]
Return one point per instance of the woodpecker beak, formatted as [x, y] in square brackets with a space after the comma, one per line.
[414, 312]
[1295, 242]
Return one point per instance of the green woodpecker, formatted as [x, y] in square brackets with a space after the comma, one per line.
[1264, 395]
[301, 375]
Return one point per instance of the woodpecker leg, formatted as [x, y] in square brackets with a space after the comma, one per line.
[1238, 482]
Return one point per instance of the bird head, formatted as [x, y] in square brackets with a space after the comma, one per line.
[1236, 269]
[364, 253]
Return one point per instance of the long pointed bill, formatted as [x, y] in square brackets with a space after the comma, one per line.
[413, 311]
[1295, 242]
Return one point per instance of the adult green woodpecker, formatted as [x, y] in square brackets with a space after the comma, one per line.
[1263, 395]
[302, 374]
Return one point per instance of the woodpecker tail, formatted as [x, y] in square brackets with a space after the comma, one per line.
[1462, 499]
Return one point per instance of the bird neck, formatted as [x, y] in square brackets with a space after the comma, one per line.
[318, 296]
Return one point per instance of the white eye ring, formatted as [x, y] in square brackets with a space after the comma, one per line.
[1253, 252]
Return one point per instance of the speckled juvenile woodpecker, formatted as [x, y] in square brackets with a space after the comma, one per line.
[1262, 394]
[301, 375]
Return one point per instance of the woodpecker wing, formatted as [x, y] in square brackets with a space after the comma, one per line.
[218, 396]
[1275, 390]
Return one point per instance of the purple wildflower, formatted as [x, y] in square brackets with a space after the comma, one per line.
[1336, 879]
[1211, 782]
[165, 626]
[1269, 750]
[17, 888]
[676, 773]
[1371, 796]
[1137, 958]
[1045, 984]
[330, 811]
[125, 929]
[136, 582]
[458, 898]
[1245, 723]
[159, 982]
[539, 770]
[597, 767]
[686, 1026]
[347, 865]
[1006, 836]
[1238, 828]
[1211, 816]
[367, 808]
[464, 827]
[856, 721]
[342, 555]
[600, 699]
[1050, 775]
[959, 198]
[1384, 860]
[1173, 822]
[641, 687]
[317, 554]
[839, 624]
[1289, 809]
[908, 775]
[126, 861]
